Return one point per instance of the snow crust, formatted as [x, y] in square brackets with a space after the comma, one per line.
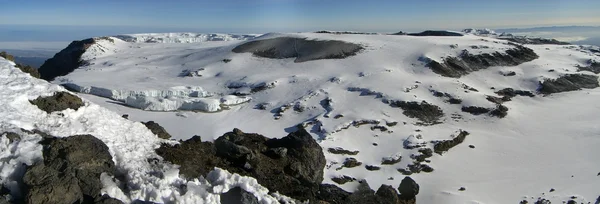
[515, 158]
[130, 143]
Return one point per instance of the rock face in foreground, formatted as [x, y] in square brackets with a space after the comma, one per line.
[300, 48]
[157, 129]
[70, 171]
[65, 61]
[466, 63]
[365, 195]
[292, 165]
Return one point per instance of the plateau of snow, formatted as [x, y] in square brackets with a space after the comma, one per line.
[545, 141]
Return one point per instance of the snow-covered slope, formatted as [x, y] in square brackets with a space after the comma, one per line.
[130, 144]
[355, 103]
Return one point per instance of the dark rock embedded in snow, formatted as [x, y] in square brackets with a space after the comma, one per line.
[372, 167]
[300, 48]
[428, 114]
[65, 61]
[58, 102]
[156, 129]
[297, 175]
[444, 145]
[467, 63]
[238, 196]
[475, 110]
[569, 82]
[510, 92]
[70, 171]
[342, 179]
[436, 33]
[339, 150]
[351, 163]
[11, 136]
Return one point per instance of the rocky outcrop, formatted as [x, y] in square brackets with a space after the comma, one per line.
[70, 171]
[58, 102]
[466, 63]
[594, 67]
[444, 145]
[292, 165]
[300, 48]
[569, 82]
[65, 61]
[157, 129]
[427, 113]
[24, 68]
[365, 195]
[439, 33]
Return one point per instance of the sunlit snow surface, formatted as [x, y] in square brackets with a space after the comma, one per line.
[543, 143]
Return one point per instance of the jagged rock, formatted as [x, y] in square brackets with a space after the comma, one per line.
[428, 114]
[58, 102]
[444, 145]
[238, 196]
[497, 100]
[436, 33]
[300, 48]
[297, 175]
[500, 111]
[372, 167]
[332, 194]
[509, 92]
[569, 82]
[408, 188]
[466, 63]
[342, 179]
[387, 194]
[70, 171]
[157, 129]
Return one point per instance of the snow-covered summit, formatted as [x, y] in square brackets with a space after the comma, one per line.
[480, 32]
[181, 37]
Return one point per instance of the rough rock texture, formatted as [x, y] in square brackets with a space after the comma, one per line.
[157, 129]
[436, 33]
[509, 92]
[12, 137]
[593, 67]
[301, 167]
[569, 82]
[300, 48]
[466, 62]
[65, 61]
[70, 171]
[427, 113]
[363, 195]
[475, 110]
[444, 145]
[58, 102]
[339, 150]
[238, 196]
[408, 188]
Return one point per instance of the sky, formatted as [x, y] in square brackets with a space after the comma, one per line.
[65, 20]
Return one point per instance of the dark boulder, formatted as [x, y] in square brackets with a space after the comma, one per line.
[300, 48]
[475, 110]
[238, 196]
[157, 129]
[408, 188]
[332, 194]
[70, 171]
[594, 67]
[466, 63]
[569, 82]
[58, 102]
[440, 33]
[510, 92]
[65, 61]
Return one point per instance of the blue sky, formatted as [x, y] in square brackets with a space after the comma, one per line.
[300, 15]
[55, 19]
